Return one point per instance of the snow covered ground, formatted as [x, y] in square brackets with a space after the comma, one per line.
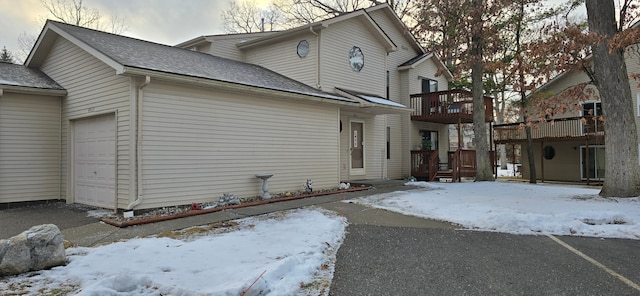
[518, 208]
[293, 252]
[287, 253]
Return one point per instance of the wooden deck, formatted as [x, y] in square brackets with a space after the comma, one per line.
[565, 129]
[448, 107]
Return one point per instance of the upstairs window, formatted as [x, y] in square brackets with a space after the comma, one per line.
[429, 85]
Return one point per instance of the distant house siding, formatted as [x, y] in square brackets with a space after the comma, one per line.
[633, 67]
[282, 57]
[93, 88]
[564, 166]
[199, 144]
[30, 147]
[566, 82]
[226, 48]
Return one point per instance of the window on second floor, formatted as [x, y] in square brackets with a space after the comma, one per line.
[429, 85]
[591, 112]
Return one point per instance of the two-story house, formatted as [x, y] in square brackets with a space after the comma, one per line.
[144, 125]
[569, 146]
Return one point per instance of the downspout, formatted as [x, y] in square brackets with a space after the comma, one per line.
[139, 96]
[318, 86]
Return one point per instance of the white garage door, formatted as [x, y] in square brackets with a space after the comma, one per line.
[94, 161]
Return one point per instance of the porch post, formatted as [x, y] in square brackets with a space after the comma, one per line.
[513, 158]
[542, 162]
[586, 160]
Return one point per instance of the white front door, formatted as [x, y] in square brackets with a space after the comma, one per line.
[94, 159]
[356, 158]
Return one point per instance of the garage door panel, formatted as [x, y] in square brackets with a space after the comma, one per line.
[94, 161]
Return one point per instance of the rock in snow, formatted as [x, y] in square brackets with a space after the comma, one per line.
[40, 247]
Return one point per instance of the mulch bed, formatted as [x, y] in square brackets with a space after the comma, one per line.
[169, 213]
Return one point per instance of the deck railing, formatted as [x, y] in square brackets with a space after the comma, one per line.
[574, 128]
[448, 106]
[461, 163]
[424, 164]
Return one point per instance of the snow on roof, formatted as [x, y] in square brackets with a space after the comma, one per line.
[19, 75]
[379, 100]
[136, 53]
[372, 98]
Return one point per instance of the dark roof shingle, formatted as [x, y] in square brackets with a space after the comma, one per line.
[19, 75]
[142, 54]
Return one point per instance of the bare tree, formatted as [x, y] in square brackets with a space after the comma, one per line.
[72, 12]
[245, 16]
[76, 13]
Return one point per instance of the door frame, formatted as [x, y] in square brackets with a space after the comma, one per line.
[357, 171]
[71, 156]
[582, 167]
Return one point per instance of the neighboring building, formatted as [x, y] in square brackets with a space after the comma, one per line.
[144, 125]
[30, 104]
[569, 146]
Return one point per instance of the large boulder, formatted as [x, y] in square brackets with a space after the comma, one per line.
[40, 247]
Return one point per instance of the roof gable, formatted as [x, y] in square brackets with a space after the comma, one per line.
[414, 62]
[317, 26]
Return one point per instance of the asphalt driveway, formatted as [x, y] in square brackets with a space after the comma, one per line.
[383, 260]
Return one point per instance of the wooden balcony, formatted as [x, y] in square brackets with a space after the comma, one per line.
[448, 107]
[564, 129]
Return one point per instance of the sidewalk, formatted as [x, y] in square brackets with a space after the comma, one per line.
[87, 231]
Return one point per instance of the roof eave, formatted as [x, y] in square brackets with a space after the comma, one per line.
[4, 88]
[231, 86]
[278, 36]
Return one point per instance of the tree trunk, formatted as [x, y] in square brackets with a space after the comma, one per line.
[611, 78]
[532, 162]
[484, 171]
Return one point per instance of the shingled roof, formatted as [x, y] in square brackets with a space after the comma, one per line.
[135, 53]
[22, 76]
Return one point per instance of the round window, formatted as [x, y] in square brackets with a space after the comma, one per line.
[548, 152]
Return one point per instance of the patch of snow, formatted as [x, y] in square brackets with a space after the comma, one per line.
[382, 101]
[518, 208]
[291, 248]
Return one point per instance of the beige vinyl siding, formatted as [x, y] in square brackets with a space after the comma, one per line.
[405, 125]
[633, 67]
[226, 45]
[199, 144]
[282, 57]
[30, 147]
[375, 147]
[565, 166]
[335, 70]
[398, 165]
[376, 155]
[226, 48]
[427, 69]
[93, 88]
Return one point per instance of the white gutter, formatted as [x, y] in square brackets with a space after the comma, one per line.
[318, 86]
[139, 97]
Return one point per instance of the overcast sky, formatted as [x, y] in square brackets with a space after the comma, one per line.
[163, 21]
